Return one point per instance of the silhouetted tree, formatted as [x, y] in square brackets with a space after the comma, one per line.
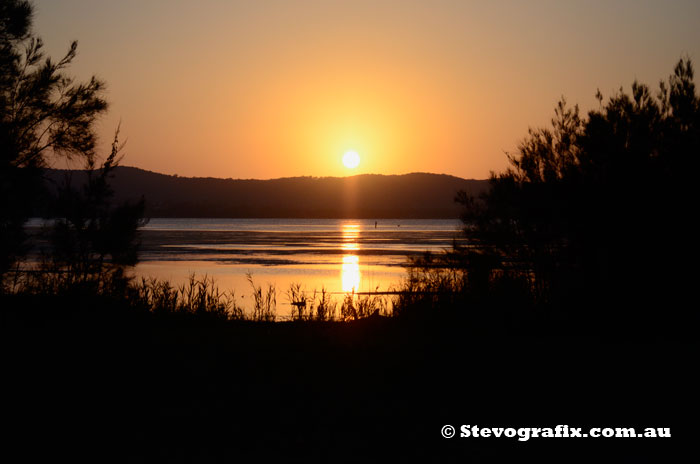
[595, 212]
[45, 115]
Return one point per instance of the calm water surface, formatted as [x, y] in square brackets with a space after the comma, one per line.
[339, 255]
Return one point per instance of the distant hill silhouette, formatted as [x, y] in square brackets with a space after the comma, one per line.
[416, 195]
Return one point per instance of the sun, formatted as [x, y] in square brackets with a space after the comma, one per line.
[351, 159]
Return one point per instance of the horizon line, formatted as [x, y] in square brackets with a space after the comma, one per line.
[278, 178]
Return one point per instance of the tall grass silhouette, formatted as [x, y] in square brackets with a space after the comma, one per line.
[264, 303]
[197, 297]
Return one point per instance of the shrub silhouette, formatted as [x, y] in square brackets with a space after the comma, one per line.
[93, 240]
[594, 212]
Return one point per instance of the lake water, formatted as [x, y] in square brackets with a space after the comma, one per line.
[339, 255]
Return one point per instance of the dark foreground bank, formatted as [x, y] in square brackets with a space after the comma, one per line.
[88, 379]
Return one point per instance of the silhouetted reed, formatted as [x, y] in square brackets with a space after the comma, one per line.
[432, 283]
[320, 306]
[297, 299]
[264, 303]
[326, 307]
[198, 297]
[53, 280]
[435, 286]
[357, 307]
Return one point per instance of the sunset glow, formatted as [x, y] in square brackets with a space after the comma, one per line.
[277, 89]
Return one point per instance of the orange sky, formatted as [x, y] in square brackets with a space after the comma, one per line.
[267, 89]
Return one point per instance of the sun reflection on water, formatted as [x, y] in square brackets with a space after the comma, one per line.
[351, 273]
[350, 270]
